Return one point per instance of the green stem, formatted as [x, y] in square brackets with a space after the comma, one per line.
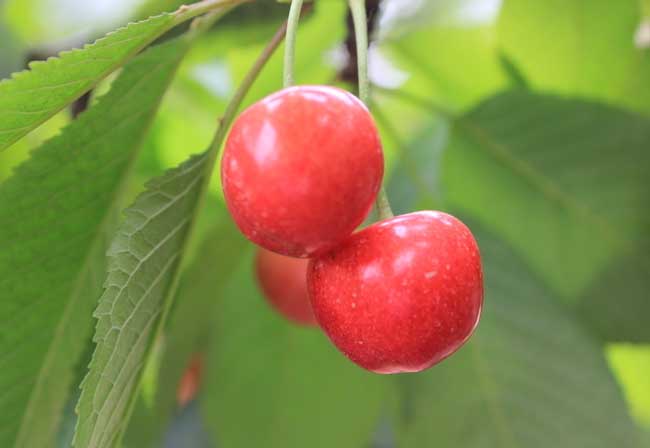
[186, 12]
[201, 24]
[290, 43]
[244, 87]
[358, 9]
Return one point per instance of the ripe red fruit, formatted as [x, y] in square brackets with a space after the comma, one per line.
[283, 281]
[402, 294]
[301, 169]
[190, 381]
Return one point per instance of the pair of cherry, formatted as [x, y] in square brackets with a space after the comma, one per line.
[300, 172]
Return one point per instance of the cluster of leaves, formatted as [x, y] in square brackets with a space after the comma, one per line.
[511, 121]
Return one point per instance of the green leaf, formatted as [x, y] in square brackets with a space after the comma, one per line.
[531, 376]
[617, 304]
[288, 383]
[461, 63]
[32, 96]
[631, 363]
[564, 181]
[188, 329]
[562, 46]
[517, 79]
[55, 215]
[144, 261]
[414, 183]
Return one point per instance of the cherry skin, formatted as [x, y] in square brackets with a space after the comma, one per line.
[283, 280]
[190, 382]
[301, 169]
[400, 295]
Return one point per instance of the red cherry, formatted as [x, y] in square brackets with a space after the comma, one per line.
[402, 294]
[284, 283]
[301, 169]
[190, 381]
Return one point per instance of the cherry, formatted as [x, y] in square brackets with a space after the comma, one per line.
[190, 381]
[284, 283]
[402, 294]
[301, 169]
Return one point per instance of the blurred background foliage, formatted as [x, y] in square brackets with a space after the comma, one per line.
[527, 118]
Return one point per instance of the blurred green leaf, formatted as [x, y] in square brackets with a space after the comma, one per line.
[11, 59]
[189, 326]
[631, 363]
[21, 16]
[144, 261]
[320, 32]
[617, 303]
[414, 183]
[55, 214]
[530, 377]
[46, 23]
[578, 47]
[460, 66]
[270, 383]
[20, 151]
[564, 181]
[517, 78]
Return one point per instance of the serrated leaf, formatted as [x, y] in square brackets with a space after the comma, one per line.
[288, 383]
[187, 332]
[144, 259]
[55, 214]
[531, 376]
[143, 273]
[32, 96]
[565, 181]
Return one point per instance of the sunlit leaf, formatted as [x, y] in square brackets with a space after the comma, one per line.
[144, 260]
[187, 332]
[631, 363]
[562, 46]
[32, 96]
[565, 181]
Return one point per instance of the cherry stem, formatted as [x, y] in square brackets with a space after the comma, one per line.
[359, 17]
[244, 87]
[290, 42]
[187, 12]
